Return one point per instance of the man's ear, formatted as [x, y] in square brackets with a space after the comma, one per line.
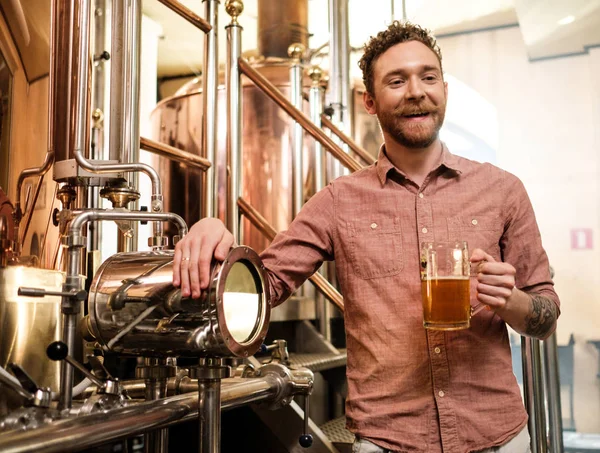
[369, 103]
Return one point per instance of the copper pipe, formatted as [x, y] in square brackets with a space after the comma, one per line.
[316, 279]
[174, 154]
[270, 90]
[187, 14]
[355, 147]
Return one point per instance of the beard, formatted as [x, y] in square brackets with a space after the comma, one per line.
[412, 135]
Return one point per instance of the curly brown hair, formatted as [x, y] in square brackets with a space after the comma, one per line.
[396, 33]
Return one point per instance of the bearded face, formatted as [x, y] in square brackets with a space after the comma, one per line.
[409, 95]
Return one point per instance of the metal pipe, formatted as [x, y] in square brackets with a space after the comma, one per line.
[81, 219]
[269, 232]
[209, 103]
[80, 127]
[132, 98]
[133, 48]
[187, 14]
[175, 154]
[234, 118]
[295, 52]
[97, 142]
[68, 337]
[117, 79]
[209, 412]
[129, 167]
[534, 393]
[270, 90]
[339, 57]
[316, 107]
[156, 441]
[62, 75]
[245, 390]
[125, 99]
[355, 147]
[552, 375]
[82, 93]
[98, 428]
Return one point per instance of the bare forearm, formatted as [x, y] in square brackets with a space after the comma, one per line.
[532, 315]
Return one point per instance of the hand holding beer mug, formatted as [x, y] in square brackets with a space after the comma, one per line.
[445, 271]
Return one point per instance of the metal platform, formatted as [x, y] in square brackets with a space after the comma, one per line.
[337, 433]
[320, 361]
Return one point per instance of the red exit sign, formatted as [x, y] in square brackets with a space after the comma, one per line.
[581, 239]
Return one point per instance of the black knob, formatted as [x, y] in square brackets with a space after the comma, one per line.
[306, 440]
[57, 351]
[143, 209]
[56, 217]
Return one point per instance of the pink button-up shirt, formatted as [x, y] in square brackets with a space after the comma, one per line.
[411, 389]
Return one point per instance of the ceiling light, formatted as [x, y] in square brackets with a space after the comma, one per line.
[566, 20]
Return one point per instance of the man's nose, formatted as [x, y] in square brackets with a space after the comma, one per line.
[415, 88]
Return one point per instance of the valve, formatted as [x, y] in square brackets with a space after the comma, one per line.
[306, 439]
[59, 351]
[279, 352]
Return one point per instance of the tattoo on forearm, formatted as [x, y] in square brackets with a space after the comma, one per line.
[543, 315]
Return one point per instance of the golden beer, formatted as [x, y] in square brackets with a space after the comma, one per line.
[446, 302]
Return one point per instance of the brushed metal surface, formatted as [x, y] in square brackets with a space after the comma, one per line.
[28, 324]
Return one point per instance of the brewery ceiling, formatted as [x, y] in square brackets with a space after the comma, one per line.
[549, 27]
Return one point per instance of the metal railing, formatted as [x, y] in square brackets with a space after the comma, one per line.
[187, 14]
[175, 154]
[277, 96]
[354, 147]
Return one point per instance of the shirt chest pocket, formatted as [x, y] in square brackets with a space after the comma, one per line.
[375, 247]
[480, 231]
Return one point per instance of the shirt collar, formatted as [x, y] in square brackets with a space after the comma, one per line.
[447, 160]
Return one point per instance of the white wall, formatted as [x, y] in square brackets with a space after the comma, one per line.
[548, 118]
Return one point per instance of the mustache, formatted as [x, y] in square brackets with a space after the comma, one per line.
[414, 109]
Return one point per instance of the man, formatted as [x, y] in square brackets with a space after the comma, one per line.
[411, 389]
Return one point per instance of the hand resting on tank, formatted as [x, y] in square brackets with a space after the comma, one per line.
[206, 239]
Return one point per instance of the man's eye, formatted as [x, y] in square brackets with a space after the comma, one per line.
[430, 78]
[396, 82]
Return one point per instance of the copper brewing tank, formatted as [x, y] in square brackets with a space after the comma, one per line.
[266, 156]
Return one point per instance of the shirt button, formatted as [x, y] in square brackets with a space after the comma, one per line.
[474, 221]
[424, 230]
[441, 393]
[373, 225]
[421, 195]
[437, 350]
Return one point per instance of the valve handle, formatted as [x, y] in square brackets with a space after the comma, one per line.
[25, 380]
[60, 351]
[41, 292]
[306, 439]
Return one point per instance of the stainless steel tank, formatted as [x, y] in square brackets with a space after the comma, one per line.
[28, 325]
[135, 309]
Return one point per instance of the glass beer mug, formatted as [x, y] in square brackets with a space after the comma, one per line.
[445, 272]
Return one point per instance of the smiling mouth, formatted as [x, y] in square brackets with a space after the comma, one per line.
[416, 115]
